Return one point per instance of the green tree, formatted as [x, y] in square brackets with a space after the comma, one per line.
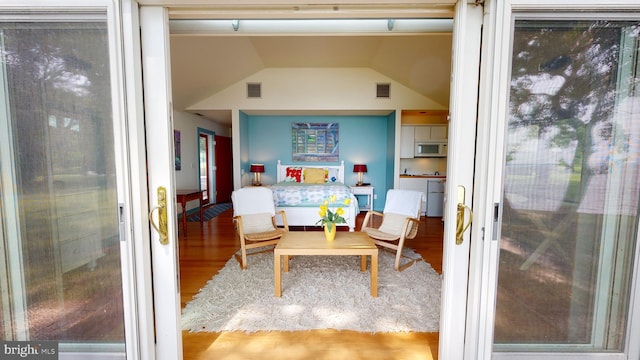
[564, 81]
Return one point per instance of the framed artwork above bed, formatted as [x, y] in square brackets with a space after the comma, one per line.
[315, 142]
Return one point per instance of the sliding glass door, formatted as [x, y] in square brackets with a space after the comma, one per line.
[568, 243]
[60, 250]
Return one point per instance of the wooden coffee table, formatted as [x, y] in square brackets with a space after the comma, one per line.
[314, 243]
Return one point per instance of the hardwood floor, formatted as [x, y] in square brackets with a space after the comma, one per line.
[207, 249]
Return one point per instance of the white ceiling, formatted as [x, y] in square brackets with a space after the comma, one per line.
[203, 65]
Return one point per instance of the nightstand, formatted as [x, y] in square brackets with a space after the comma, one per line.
[364, 191]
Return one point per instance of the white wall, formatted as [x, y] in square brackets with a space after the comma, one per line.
[316, 89]
[310, 91]
[188, 124]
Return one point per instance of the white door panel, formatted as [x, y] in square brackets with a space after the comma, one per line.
[159, 142]
[464, 97]
[557, 271]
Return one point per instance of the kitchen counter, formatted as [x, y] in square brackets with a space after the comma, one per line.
[403, 176]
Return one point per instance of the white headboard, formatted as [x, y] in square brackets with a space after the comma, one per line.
[334, 170]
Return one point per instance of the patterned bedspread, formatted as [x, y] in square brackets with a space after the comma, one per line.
[300, 194]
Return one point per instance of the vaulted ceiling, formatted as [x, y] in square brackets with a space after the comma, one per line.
[203, 65]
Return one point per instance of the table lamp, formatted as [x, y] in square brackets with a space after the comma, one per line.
[256, 169]
[360, 169]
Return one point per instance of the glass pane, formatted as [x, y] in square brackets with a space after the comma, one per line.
[571, 189]
[65, 277]
[204, 179]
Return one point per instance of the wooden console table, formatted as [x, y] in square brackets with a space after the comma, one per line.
[185, 196]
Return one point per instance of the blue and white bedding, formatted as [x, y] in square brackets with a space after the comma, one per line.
[304, 195]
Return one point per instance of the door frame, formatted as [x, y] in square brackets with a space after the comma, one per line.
[158, 137]
[139, 229]
[155, 44]
[460, 173]
[496, 55]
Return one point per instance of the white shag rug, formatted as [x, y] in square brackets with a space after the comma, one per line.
[318, 292]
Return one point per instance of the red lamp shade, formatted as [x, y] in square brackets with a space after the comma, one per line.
[257, 168]
[359, 168]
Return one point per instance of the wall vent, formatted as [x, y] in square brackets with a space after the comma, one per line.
[383, 91]
[254, 90]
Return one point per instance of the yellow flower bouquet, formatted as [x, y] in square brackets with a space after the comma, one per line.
[327, 217]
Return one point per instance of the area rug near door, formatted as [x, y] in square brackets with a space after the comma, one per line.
[319, 292]
[210, 212]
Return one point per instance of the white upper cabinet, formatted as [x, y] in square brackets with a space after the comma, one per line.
[430, 133]
[438, 132]
[412, 134]
[422, 133]
[407, 141]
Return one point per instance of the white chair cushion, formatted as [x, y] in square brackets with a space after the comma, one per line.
[253, 200]
[379, 235]
[392, 224]
[406, 202]
[255, 223]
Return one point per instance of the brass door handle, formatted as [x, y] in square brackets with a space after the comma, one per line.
[162, 228]
[460, 225]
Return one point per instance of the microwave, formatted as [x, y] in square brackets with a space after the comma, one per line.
[430, 149]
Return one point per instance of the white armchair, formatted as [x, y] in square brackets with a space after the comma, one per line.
[400, 221]
[254, 214]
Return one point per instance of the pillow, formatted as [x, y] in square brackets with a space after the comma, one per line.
[332, 174]
[294, 174]
[255, 223]
[315, 176]
[393, 223]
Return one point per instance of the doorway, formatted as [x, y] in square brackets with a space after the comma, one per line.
[287, 45]
[206, 156]
[224, 169]
[155, 49]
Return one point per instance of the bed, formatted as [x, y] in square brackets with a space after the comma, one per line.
[301, 199]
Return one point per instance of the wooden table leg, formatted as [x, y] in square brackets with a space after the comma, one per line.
[374, 274]
[363, 262]
[277, 281]
[286, 263]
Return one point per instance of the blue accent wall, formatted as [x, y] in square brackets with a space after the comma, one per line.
[391, 149]
[362, 139]
[243, 133]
